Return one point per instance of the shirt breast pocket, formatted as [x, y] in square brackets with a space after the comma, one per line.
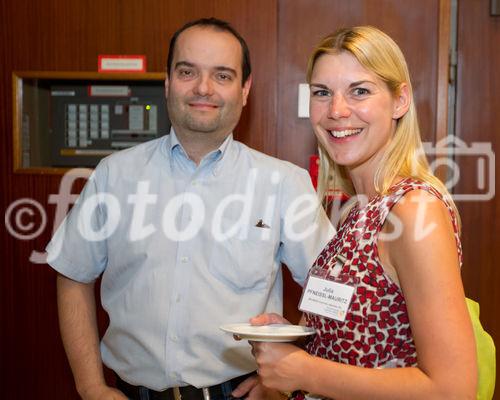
[246, 260]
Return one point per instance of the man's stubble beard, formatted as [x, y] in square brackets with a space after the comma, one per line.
[195, 124]
[184, 118]
[222, 123]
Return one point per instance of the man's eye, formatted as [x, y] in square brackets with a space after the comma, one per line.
[360, 91]
[185, 72]
[224, 77]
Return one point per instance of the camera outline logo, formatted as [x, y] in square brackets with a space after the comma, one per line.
[445, 152]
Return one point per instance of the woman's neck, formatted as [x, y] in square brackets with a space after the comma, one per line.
[363, 181]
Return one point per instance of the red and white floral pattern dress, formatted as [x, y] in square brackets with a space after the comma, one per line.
[376, 331]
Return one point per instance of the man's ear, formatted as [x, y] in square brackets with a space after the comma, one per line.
[402, 101]
[246, 89]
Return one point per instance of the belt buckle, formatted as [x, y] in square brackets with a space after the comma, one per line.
[206, 393]
[177, 393]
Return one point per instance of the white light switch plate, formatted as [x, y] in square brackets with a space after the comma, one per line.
[303, 100]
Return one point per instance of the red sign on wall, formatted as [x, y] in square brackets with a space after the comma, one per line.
[121, 63]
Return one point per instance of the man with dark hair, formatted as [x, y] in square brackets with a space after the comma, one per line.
[218, 25]
[188, 232]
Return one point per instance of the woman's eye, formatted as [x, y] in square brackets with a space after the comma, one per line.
[320, 93]
[361, 91]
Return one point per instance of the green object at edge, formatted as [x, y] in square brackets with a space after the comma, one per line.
[485, 355]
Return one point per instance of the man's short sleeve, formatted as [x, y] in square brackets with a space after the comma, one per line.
[73, 252]
[305, 227]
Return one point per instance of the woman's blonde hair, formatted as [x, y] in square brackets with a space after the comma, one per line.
[405, 156]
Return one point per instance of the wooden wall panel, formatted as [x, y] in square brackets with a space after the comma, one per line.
[68, 36]
[60, 35]
[478, 107]
[302, 23]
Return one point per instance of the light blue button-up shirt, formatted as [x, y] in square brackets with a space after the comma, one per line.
[185, 248]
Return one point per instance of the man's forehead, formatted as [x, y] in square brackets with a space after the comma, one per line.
[203, 31]
[207, 44]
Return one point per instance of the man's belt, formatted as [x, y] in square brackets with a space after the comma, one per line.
[219, 391]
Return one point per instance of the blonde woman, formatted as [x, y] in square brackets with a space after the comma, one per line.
[392, 321]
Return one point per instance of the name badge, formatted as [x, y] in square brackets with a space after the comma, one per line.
[326, 298]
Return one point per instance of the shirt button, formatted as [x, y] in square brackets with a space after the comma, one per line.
[184, 259]
[195, 183]
[178, 298]
[174, 338]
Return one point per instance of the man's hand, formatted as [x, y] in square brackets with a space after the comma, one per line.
[252, 389]
[102, 392]
[267, 319]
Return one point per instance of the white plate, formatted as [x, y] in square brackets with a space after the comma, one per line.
[268, 333]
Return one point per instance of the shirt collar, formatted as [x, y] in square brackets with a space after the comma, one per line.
[173, 145]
